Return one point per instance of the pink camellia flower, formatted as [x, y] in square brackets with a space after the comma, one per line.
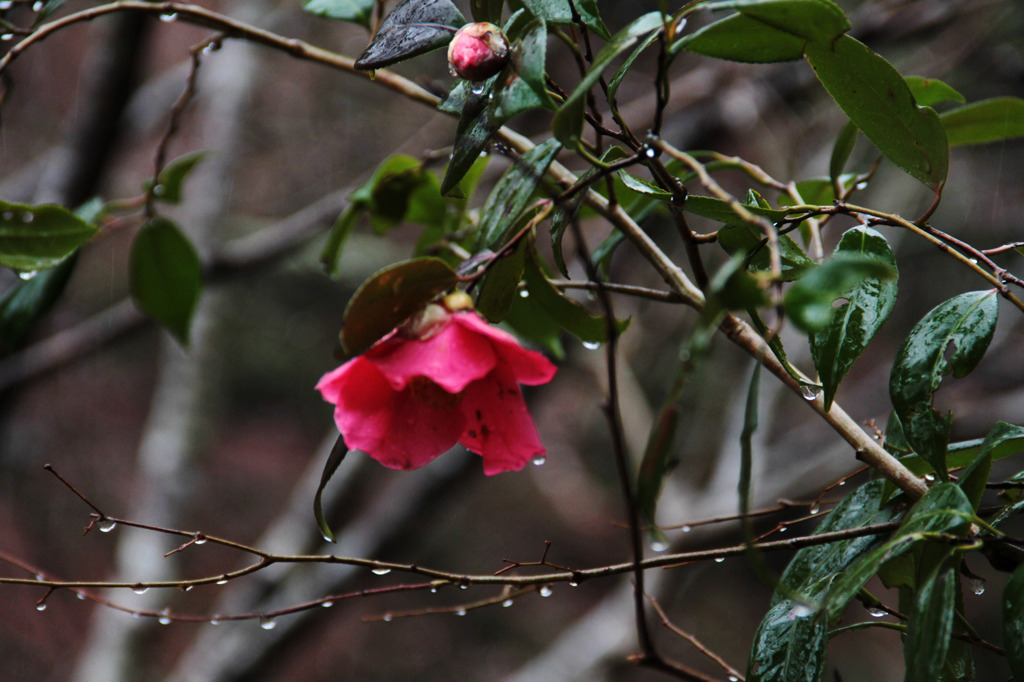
[442, 378]
[477, 51]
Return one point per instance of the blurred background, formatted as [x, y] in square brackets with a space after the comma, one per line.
[229, 438]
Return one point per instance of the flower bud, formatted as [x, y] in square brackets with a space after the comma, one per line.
[477, 52]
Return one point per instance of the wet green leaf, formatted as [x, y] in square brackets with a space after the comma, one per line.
[967, 322]
[723, 212]
[560, 12]
[740, 38]
[990, 120]
[1013, 623]
[24, 303]
[532, 322]
[501, 284]
[929, 627]
[487, 10]
[750, 243]
[840, 155]
[171, 180]
[809, 301]
[389, 297]
[354, 11]
[512, 193]
[411, 29]
[878, 101]
[855, 322]
[657, 463]
[166, 276]
[338, 453]
[789, 646]
[34, 238]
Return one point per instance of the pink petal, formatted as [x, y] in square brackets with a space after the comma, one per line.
[452, 358]
[528, 367]
[391, 426]
[498, 426]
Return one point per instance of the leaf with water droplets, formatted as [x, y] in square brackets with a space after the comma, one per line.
[809, 301]
[38, 237]
[171, 180]
[789, 647]
[24, 303]
[412, 28]
[929, 627]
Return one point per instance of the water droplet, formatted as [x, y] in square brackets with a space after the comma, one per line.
[222, 581]
[810, 391]
[800, 611]
[977, 586]
[164, 618]
[187, 588]
[140, 589]
[27, 275]
[507, 603]
[679, 25]
[460, 612]
[574, 583]
[159, 190]
[463, 587]
[686, 529]
[199, 539]
[929, 477]
[591, 345]
[28, 216]
[875, 611]
[209, 49]
[387, 618]
[783, 529]
[37, 6]
[6, 4]
[523, 293]
[106, 525]
[650, 152]
[41, 606]
[433, 590]
[6, 36]
[136, 614]
[545, 591]
[973, 261]
[657, 546]
[538, 460]
[39, 576]
[719, 559]
[842, 483]
[477, 89]
[214, 621]
[381, 571]
[170, 16]
[8, 215]
[267, 623]
[861, 185]
[733, 678]
[814, 508]
[80, 595]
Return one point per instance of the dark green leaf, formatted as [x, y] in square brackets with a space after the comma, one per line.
[166, 276]
[750, 243]
[487, 10]
[25, 302]
[929, 91]
[723, 211]
[568, 123]
[876, 98]
[620, 73]
[560, 12]
[1003, 440]
[1013, 623]
[171, 179]
[524, 81]
[512, 193]
[812, 20]
[967, 322]
[809, 301]
[930, 627]
[532, 322]
[657, 463]
[338, 453]
[500, 287]
[389, 297]
[733, 288]
[336, 238]
[34, 238]
[354, 11]
[412, 28]
[990, 120]
[840, 155]
[854, 324]
[789, 646]
[571, 315]
[740, 38]
[478, 122]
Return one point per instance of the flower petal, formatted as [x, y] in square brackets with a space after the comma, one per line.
[498, 426]
[452, 358]
[528, 366]
[391, 426]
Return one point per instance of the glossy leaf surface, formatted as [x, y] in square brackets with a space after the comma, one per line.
[512, 193]
[929, 628]
[809, 301]
[166, 276]
[990, 120]
[412, 28]
[34, 238]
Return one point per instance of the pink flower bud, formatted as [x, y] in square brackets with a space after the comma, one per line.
[477, 52]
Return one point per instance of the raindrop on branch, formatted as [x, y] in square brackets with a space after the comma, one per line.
[381, 571]
[545, 591]
[41, 606]
[165, 618]
[106, 525]
[140, 589]
[810, 391]
[169, 17]
[507, 603]
[267, 623]
[460, 612]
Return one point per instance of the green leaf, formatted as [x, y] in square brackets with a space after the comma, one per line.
[723, 212]
[657, 463]
[500, 287]
[1013, 623]
[34, 238]
[1002, 440]
[929, 91]
[560, 12]
[338, 453]
[27, 301]
[811, 20]
[809, 301]
[568, 123]
[512, 193]
[389, 297]
[750, 243]
[733, 288]
[929, 627]
[532, 322]
[813, 569]
[478, 122]
[789, 646]
[854, 324]
[840, 155]
[967, 322]
[989, 120]
[571, 315]
[354, 11]
[878, 101]
[740, 38]
[487, 10]
[411, 29]
[524, 81]
[166, 276]
[171, 179]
